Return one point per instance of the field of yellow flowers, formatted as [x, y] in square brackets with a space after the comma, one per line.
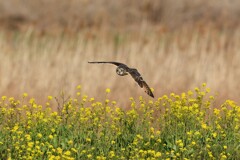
[185, 126]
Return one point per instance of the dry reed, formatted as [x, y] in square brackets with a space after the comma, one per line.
[169, 62]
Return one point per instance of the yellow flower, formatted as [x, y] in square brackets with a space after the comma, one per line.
[223, 157]
[101, 158]
[179, 143]
[211, 97]
[189, 133]
[139, 136]
[30, 144]
[4, 98]
[108, 90]
[32, 100]
[204, 125]
[74, 150]
[25, 95]
[196, 89]
[52, 157]
[208, 90]
[152, 152]
[79, 87]
[50, 136]
[59, 150]
[57, 157]
[70, 142]
[210, 154]
[190, 93]
[11, 99]
[38, 147]
[84, 98]
[50, 97]
[15, 128]
[131, 99]
[208, 146]
[152, 89]
[214, 135]
[29, 149]
[158, 132]
[111, 154]
[158, 154]
[89, 156]
[54, 114]
[67, 153]
[216, 111]
[83, 151]
[88, 139]
[28, 137]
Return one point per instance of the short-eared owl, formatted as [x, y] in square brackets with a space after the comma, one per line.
[123, 70]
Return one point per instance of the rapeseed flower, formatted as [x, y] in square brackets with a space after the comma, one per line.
[111, 154]
[25, 95]
[50, 97]
[146, 130]
[4, 98]
[50, 136]
[70, 142]
[108, 90]
[67, 153]
[204, 126]
[79, 87]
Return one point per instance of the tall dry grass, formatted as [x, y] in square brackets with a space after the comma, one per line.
[169, 62]
[74, 15]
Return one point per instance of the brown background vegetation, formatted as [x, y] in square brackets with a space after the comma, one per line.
[74, 15]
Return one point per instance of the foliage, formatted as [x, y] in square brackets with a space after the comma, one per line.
[185, 126]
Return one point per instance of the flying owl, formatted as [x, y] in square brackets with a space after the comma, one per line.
[123, 70]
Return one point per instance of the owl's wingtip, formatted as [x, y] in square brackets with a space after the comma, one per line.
[152, 95]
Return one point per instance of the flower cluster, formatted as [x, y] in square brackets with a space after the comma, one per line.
[185, 126]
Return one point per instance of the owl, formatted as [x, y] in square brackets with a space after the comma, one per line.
[123, 70]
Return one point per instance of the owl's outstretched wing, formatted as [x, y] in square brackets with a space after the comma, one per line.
[134, 73]
[115, 63]
[138, 78]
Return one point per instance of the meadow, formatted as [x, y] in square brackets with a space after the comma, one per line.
[183, 121]
[182, 49]
[177, 126]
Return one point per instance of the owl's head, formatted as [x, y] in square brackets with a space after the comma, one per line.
[121, 71]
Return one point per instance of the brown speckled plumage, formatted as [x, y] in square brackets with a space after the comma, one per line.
[123, 70]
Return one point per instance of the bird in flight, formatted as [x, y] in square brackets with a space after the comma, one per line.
[123, 70]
